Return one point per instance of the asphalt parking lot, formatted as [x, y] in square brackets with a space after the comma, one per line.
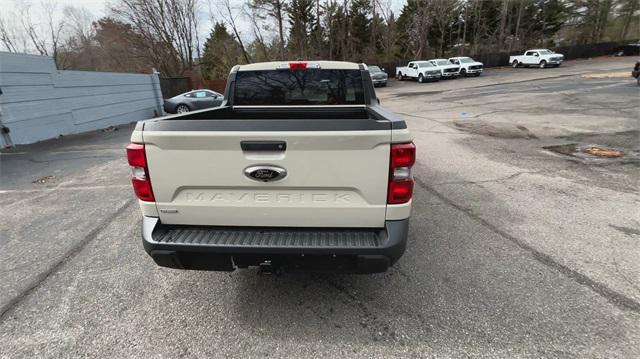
[514, 250]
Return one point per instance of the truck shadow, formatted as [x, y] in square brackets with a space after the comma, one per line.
[332, 307]
[457, 282]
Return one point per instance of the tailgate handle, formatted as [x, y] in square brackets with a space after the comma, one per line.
[263, 146]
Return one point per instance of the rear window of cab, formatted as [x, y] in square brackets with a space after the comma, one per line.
[289, 87]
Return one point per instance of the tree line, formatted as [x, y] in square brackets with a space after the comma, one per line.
[167, 34]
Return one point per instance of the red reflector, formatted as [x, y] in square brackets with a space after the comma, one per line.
[135, 155]
[298, 65]
[143, 190]
[400, 191]
[403, 155]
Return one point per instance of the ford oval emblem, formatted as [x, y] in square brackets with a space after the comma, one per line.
[265, 173]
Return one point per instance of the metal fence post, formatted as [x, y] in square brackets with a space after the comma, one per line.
[155, 83]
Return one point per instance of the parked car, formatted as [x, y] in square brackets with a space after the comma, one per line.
[422, 71]
[537, 57]
[636, 71]
[468, 66]
[447, 69]
[193, 100]
[378, 76]
[627, 50]
[277, 177]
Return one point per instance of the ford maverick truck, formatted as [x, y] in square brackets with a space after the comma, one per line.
[299, 169]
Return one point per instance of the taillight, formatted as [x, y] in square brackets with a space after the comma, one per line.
[140, 172]
[403, 156]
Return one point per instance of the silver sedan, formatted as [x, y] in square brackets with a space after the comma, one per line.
[193, 100]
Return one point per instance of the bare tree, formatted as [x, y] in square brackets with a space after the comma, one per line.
[504, 14]
[31, 30]
[421, 22]
[257, 32]
[55, 28]
[390, 36]
[20, 33]
[8, 35]
[167, 28]
[80, 22]
[227, 12]
[274, 9]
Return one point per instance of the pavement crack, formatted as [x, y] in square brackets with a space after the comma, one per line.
[379, 328]
[612, 296]
[422, 117]
[72, 252]
[499, 179]
[69, 159]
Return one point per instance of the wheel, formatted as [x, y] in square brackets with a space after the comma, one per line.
[400, 78]
[543, 64]
[182, 109]
[420, 78]
[463, 73]
[515, 64]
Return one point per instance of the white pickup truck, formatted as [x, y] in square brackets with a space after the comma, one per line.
[300, 168]
[422, 71]
[537, 57]
[447, 69]
[468, 66]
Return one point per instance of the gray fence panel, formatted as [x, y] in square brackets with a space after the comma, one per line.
[39, 102]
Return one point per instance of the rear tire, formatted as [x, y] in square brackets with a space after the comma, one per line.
[543, 64]
[182, 109]
[515, 64]
[420, 78]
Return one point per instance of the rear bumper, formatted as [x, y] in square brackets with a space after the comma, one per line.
[432, 76]
[345, 250]
[169, 107]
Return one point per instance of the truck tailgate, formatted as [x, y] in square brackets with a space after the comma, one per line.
[335, 176]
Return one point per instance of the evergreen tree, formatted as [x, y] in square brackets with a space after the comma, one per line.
[359, 30]
[221, 53]
[302, 21]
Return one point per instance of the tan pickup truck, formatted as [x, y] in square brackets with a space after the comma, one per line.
[300, 168]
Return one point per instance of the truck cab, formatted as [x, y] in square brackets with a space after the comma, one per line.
[300, 168]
